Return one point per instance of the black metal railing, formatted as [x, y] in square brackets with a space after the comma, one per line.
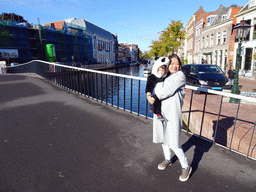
[127, 92]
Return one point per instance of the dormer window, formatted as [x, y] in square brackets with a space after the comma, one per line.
[210, 19]
[252, 3]
[224, 17]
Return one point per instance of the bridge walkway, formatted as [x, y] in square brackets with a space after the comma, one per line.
[55, 140]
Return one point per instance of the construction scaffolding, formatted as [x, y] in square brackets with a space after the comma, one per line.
[14, 35]
[71, 44]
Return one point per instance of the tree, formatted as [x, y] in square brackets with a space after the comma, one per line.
[140, 54]
[169, 39]
[146, 55]
[155, 49]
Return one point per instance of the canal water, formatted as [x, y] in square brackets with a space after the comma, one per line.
[132, 100]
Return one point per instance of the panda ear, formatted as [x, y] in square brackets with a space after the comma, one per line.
[163, 60]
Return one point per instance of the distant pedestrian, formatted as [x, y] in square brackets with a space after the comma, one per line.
[231, 75]
[167, 132]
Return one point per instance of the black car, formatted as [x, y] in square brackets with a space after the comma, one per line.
[205, 76]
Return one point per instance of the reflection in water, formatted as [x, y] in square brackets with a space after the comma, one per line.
[128, 97]
[122, 92]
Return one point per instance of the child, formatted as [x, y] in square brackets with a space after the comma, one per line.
[158, 75]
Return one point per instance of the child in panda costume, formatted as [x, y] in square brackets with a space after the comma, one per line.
[158, 75]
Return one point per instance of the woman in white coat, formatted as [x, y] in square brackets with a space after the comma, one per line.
[171, 94]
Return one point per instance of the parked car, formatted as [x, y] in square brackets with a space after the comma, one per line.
[205, 76]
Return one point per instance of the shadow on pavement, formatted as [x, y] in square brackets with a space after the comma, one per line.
[201, 147]
[221, 130]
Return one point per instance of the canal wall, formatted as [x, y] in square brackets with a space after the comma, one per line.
[204, 124]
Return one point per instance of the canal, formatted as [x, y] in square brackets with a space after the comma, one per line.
[132, 100]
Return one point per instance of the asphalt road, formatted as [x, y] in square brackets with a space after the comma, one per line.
[55, 140]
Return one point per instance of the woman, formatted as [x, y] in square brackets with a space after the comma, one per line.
[171, 94]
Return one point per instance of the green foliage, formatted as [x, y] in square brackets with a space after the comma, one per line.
[183, 61]
[146, 55]
[156, 49]
[6, 33]
[169, 39]
[140, 54]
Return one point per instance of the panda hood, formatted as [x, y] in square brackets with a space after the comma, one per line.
[158, 63]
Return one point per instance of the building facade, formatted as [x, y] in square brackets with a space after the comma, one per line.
[128, 53]
[248, 56]
[214, 42]
[101, 42]
[14, 42]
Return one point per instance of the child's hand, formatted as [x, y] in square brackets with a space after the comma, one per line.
[148, 93]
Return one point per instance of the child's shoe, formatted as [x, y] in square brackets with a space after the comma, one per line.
[160, 117]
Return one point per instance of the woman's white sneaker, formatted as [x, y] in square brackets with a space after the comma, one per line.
[185, 174]
[164, 164]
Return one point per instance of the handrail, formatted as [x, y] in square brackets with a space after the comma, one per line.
[82, 69]
[251, 99]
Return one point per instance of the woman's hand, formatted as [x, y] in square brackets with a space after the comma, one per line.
[150, 99]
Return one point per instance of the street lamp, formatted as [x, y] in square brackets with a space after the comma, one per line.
[242, 30]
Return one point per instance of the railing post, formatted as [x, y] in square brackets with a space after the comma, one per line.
[239, 101]
[190, 106]
[217, 124]
[112, 89]
[124, 93]
[74, 84]
[97, 86]
[92, 85]
[80, 82]
[251, 140]
[84, 89]
[87, 85]
[101, 87]
[147, 108]
[203, 115]
[69, 79]
[131, 96]
[139, 99]
[117, 92]
[106, 89]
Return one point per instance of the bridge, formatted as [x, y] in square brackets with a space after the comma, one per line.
[54, 139]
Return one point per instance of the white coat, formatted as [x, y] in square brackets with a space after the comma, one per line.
[171, 94]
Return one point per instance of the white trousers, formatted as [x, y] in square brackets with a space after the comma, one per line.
[178, 152]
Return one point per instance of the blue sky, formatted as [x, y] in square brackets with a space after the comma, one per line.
[134, 21]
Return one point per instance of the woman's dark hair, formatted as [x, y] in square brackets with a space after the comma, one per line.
[174, 56]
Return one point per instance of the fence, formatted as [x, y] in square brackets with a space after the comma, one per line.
[205, 115]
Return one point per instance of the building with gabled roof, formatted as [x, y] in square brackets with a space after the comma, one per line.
[101, 43]
[248, 57]
[214, 39]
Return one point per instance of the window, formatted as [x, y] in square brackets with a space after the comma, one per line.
[218, 38]
[254, 28]
[211, 41]
[207, 41]
[210, 19]
[202, 43]
[224, 17]
[216, 57]
[220, 61]
[252, 3]
[192, 69]
[224, 36]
